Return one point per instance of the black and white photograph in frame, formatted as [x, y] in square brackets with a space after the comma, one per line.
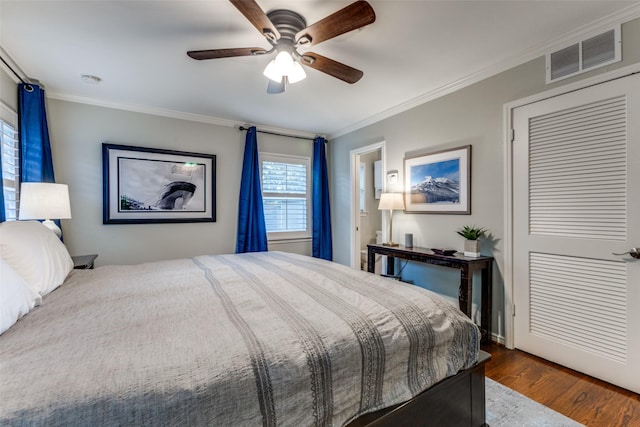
[148, 185]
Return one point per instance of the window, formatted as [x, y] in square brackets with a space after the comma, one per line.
[10, 161]
[286, 192]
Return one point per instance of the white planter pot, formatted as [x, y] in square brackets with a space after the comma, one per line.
[472, 248]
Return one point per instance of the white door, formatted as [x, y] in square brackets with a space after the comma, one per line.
[576, 202]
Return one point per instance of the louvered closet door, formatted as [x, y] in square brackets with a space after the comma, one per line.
[577, 201]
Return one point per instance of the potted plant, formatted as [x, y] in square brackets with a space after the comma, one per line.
[472, 235]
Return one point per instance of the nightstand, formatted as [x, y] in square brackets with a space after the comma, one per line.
[84, 262]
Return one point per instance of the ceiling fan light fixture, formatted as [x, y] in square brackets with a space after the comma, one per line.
[284, 66]
[272, 71]
[284, 62]
[297, 73]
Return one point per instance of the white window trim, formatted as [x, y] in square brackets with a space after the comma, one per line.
[287, 158]
[7, 115]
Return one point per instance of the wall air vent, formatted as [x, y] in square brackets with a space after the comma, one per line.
[594, 52]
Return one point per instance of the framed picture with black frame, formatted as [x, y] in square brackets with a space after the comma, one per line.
[439, 182]
[147, 185]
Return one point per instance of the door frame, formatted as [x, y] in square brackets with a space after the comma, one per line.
[354, 221]
[509, 307]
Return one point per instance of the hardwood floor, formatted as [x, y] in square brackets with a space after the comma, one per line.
[585, 399]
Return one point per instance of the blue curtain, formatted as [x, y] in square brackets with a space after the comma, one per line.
[322, 245]
[35, 148]
[36, 163]
[252, 231]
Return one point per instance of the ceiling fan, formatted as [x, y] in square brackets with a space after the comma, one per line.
[287, 31]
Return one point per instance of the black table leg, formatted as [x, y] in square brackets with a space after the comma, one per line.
[486, 301]
[391, 265]
[464, 293]
[371, 261]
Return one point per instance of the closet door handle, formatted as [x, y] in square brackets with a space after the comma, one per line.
[634, 252]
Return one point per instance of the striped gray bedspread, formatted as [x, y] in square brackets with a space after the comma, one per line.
[271, 339]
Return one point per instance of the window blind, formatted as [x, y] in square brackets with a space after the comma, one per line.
[285, 187]
[10, 169]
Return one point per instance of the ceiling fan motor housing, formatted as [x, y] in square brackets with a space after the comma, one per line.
[288, 23]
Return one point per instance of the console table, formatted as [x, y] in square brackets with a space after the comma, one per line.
[466, 265]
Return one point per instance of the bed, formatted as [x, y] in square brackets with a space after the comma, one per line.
[268, 339]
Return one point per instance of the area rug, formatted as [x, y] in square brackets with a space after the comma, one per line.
[508, 408]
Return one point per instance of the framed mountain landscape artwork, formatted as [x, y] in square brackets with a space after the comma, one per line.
[439, 182]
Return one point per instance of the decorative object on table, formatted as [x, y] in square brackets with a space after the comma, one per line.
[445, 252]
[408, 240]
[439, 182]
[45, 200]
[391, 202]
[472, 235]
[147, 185]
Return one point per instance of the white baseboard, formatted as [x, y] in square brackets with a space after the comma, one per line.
[497, 338]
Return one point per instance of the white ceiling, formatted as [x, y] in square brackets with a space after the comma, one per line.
[415, 48]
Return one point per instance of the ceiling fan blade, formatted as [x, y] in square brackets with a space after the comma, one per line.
[331, 67]
[275, 87]
[257, 17]
[350, 18]
[225, 53]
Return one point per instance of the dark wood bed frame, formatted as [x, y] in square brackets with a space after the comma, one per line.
[453, 402]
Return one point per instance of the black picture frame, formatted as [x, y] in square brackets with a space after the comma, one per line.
[143, 185]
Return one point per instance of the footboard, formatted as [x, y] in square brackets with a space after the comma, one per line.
[455, 401]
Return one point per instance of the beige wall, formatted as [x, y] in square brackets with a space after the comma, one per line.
[77, 132]
[473, 115]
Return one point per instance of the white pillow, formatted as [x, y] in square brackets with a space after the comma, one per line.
[35, 253]
[16, 297]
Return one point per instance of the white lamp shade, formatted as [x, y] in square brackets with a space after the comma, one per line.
[297, 73]
[272, 72]
[391, 201]
[43, 200]
[284, 62]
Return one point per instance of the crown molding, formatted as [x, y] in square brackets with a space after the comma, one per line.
[143, 109]
[11, 68]
[173, 114]
[624, 15]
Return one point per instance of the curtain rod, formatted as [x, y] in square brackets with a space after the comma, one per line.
[279, 134]
[14, 71]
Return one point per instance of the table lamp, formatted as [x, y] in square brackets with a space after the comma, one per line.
[43, 200]
[391, 202]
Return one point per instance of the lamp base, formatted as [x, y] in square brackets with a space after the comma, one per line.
[392, 244]
[53, 227]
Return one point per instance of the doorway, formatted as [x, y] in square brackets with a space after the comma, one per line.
[575, 207]
[367, 183]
